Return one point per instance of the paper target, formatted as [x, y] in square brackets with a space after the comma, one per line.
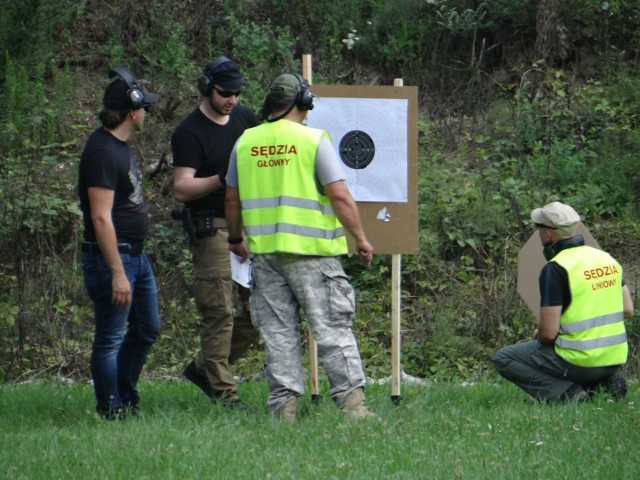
[370, 138]
[357, 149]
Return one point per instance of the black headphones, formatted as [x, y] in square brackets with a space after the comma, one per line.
[304, 97]
[303, 100]
[205, 81]
[135, 95]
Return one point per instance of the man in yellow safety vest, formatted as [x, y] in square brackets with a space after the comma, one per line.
[580, 342]
[286, 186]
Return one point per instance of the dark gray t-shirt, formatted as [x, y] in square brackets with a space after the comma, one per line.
[108, 162]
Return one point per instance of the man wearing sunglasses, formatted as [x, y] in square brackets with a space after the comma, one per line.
[201, 147]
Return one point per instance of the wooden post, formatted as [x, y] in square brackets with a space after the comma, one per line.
[396, 262]
[307, 73]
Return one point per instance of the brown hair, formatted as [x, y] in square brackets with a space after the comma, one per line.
[112, 118]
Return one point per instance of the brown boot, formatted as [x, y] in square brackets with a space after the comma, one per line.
[289, 410]
[354, 405]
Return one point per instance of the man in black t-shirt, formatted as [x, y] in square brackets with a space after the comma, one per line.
[117, 273]
[201, 146]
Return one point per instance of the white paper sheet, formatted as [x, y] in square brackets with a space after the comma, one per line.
[385, 122]
[240, 272]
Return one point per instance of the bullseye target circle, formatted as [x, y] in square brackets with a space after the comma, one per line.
[357, 149]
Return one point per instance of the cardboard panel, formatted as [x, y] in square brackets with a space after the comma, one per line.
[391, 227]
[530, 263]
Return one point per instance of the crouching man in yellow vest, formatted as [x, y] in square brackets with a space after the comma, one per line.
[286, 186]
[580, 342]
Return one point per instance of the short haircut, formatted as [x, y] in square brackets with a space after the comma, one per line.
[112, 118]
[279, 104]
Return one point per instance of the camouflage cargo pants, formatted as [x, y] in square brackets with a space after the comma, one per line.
[284, 284]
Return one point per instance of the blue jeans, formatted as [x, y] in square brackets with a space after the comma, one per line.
[123, 336]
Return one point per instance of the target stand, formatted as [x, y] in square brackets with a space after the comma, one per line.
[374, 131]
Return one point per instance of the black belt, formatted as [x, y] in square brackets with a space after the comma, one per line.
[128, 248]
[206, 226]
[205, 220]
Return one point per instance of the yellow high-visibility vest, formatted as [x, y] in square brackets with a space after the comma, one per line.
[283, 209]
[592, 331]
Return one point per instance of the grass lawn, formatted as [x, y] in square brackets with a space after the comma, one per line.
[442, 431]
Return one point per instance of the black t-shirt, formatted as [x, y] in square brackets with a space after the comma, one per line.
[554, 286]
[205, 146]
[110, 163]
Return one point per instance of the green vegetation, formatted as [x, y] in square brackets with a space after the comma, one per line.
[438, 431]
[521, 102]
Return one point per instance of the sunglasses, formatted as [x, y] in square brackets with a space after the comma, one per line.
[227, 93]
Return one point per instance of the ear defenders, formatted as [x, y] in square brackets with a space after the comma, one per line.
[303, 100]
[205, 81]
[304, 97]
[135, 95]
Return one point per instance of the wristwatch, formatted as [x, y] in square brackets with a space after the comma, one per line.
[234, 241]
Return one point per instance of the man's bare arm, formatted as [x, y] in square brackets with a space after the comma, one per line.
[627, 302]
[101, 203]
[233, 214]
[549, 324]
[188, 187]
[347, 212]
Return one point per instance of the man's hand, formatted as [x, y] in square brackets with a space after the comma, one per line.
[365, 251]
[240, 250]
[121, 290]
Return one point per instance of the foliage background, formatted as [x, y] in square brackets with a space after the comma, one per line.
[521, 102]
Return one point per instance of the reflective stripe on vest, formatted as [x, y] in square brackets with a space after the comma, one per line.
[285, 201]
[592, 331]
[282, 209]
[294, 229]
[592, 344]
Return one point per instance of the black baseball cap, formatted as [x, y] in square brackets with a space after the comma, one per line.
[117, 95]
[226, 73]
